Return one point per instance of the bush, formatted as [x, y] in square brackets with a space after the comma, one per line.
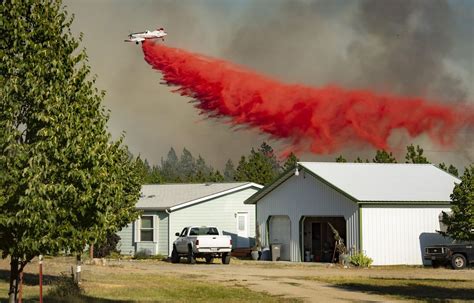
[361, 260]
[64, 288]
[144, 254]
[108, 246]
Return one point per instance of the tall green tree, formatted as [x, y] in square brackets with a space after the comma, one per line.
[415, 155]
[460, 222]
[290, 162]
[229, 171]
[450, 169]
[241, 170]
[169, 167]
[63, 183]
[186, 166]
[382, 156]
[341, 159]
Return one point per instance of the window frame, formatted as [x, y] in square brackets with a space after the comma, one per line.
[152, 228]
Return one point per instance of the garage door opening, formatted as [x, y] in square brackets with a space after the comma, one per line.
[318, 238]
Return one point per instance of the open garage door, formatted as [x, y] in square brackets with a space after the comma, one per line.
[280, 229]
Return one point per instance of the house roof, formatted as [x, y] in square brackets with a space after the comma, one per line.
[174, 196]
[378, 182]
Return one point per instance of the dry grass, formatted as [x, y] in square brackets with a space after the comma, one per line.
[423, 290]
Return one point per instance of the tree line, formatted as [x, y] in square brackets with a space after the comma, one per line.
[261, 166]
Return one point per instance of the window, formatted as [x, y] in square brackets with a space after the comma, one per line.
[202, 231]
[146, 229]
[184, 232]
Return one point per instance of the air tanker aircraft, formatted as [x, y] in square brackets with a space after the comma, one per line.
[146, 35]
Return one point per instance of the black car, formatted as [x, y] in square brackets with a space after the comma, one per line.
[457, 255]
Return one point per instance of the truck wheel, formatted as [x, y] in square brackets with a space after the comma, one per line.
[191, 259]
[174, 255]
[458, 261]
[225, 258]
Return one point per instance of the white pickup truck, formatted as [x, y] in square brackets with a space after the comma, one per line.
[201, 242]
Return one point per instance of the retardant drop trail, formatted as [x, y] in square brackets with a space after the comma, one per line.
[316, 119]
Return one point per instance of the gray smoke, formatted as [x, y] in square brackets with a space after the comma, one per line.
[409, 47]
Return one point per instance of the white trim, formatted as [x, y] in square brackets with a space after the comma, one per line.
[222, 193]
[152, 229]
[155, 228]
[136, 226]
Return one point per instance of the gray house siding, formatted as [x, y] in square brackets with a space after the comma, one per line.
[128, 244]
[305, 195]
[220, 212]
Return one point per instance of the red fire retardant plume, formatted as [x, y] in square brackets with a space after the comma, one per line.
[317, 119]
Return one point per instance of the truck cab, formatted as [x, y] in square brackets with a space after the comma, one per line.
[458, 256]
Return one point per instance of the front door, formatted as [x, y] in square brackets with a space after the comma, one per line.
[242, 230]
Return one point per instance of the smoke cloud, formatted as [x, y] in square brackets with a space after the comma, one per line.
[311, 42]
[320, 120]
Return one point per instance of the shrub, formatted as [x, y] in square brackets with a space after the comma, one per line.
[64, 288]
[144, 254]
[109, 245]
[361, 260]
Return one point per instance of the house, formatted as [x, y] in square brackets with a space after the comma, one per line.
[388, 211]
[168, 208]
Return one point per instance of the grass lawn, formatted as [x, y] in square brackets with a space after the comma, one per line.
[101, 285]
[424, 290]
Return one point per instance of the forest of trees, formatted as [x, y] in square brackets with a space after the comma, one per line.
[261, 166]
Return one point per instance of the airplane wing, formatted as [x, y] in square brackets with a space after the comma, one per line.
[135, 39]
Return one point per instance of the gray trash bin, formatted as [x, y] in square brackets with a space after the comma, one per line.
[276, 249]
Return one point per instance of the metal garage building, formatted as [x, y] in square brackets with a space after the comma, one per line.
[389, 211]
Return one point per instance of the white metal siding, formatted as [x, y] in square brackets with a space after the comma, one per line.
[163, 233]
[280, 231]
[398, 234]
[305, 195]
[220, 212]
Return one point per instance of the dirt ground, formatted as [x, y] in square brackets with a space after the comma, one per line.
[283, 279]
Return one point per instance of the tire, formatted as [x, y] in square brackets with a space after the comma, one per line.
[208, 259]
[225, 258]
[458, 261]
[174, 255]
[191, 259]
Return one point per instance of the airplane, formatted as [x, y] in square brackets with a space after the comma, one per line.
[146, 35]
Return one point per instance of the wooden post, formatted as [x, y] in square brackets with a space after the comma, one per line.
[78, 269]
[40, 262]
[91, 251]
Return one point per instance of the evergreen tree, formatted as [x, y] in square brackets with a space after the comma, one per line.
[216, 177]
[451, 169]
[155, 176]
[460, 223]
[359, 160]
[415, 155]
[186, 166]
[143, 170]
[169, 167]
[383, 157]
[63, 183]
[290, 162]
[341, 159]
[267, 151]
[241, 171]
[229, 171]
[260, 168]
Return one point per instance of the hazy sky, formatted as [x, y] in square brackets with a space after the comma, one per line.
[419, 47]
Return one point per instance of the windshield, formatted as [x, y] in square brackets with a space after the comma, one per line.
[202, 231]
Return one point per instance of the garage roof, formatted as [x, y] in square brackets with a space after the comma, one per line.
[175, 196]
[377, 182]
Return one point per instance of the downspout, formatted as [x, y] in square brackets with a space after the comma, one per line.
[167, 211]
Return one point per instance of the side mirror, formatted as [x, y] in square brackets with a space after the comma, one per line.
[176, 234]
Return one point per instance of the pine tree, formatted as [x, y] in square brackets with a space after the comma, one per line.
[241, 171]
[169, 167]
[383, 157]
[451, 169]
[63, 183]
[229, 171]
[415, 155]
[460, 223]
[290, 162]
[341, 159]
[186, 166]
